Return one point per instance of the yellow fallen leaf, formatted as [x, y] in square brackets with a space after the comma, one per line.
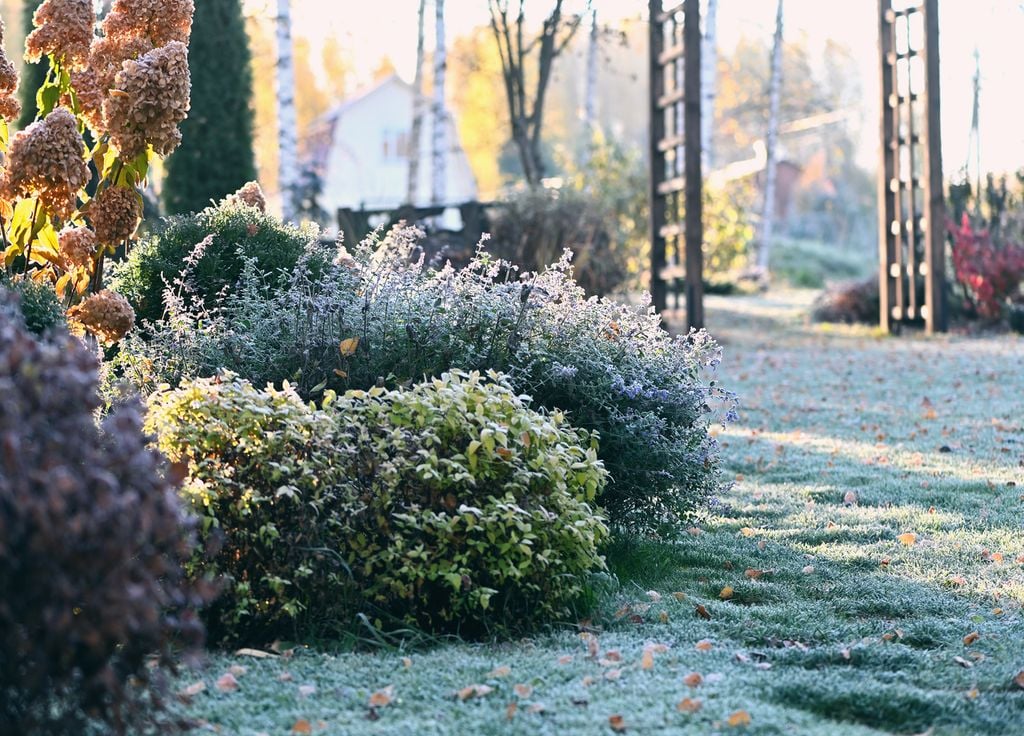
[523, 690]
[302, 726]
[474, 691]
[501, 671]
[693, 679]
[617, 722]
[753, 574]
[647, 661]
[726, 593]
[587, 681]
[1018, 680]
[908, 539]
[381, 698]
[688, 705]
[971, 638]
[663, 617]
[739, 718]
[997, 557]
[972, 694]
[704, 645]
[348, 347]
[407, 662]
[747, 531]
[679, 596]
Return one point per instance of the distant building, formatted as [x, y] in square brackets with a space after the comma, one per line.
[360, 150]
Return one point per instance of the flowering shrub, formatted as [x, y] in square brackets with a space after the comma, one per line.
[128, 87]
[92, 541]
[236, 229]
[474, 511]
[265, 476]
[610, 367]
[990, 274]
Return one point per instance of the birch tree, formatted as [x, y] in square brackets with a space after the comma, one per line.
[287, 135]
[415, 148]
[526, 92]
[590, 91]
[708, 82]
[771, 146]
[439, 152]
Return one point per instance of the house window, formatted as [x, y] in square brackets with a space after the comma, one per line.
[394, 144]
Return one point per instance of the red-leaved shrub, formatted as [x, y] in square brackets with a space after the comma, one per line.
[989, 273]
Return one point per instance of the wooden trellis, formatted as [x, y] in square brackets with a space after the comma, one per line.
[911, 204]
[676, 179]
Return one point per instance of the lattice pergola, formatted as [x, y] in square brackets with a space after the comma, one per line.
[910, 191]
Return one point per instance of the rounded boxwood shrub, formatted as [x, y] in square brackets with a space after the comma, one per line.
[92, 541]
[473, 511]
[37, 303]
[265, 477]
[230, 233]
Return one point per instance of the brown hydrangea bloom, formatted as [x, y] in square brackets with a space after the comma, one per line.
[115, 213]
[106, 315]
[92, 84]
[149, 99]
[90, 97]
[9, 106]
[47, 160]
[77, 246]
[249, 194]
[161, 21]
[63, 28]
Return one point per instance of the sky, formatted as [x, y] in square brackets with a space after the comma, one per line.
[370, 29]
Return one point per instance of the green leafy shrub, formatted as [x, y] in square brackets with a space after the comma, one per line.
[265, 476]
[611, 367]
[92, 541]
[810, 264]
[475, 511]
[37, 304]
[236, 231]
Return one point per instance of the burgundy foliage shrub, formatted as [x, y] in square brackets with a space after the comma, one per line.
[989, 273]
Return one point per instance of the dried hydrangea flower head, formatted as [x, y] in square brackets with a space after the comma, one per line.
[10, 107]
[150, 98]
[115, 213]
[47, 160]
[63, 28]
[77, 247]
[160, 21]
[249, 194]
[107, 315]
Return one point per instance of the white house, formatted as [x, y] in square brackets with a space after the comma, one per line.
[361, 151]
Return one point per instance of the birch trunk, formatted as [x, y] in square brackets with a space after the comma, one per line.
[590, 92]
[439, 148]
[709, 83]
[287, 138]
[415, 144]
[771, 146]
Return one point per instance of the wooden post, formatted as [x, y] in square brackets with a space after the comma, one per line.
[692, 42]
[886, 197]
[656, 116]
[936, 319]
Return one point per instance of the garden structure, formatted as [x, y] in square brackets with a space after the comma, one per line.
[910, 195]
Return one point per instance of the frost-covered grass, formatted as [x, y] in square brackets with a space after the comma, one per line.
[847, 444]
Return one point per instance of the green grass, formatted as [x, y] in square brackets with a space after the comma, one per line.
[847, 631]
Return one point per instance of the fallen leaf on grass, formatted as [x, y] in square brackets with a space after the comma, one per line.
[501, 671]
[523, 690]
[693, 679]
[306, 690]
[663, 617]
[406, 662]
[237, 670]
[474, 691]
[612, 674]
[971, 638]
[227, 683]
[701, 611]
[617, 723]
[284, 677]
[679, 596]
[348, 347]
[381, 698]
[255, 653]
[688, 705]
[739, 718]
[908, 539]
[565, 659]
[612, 655]
[587, 681]
[1018, 680]
[510, 710]
[754, 574]
[747, 531]
[704, 645]
[536, 708]
[808, 570]
[654, 595]
[302, 726]
[726, 593]
[647, 660]
[972, 694]
[850, 499]
[963, 662]
[192, 690]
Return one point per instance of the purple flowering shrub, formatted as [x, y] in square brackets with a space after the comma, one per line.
[380, 317]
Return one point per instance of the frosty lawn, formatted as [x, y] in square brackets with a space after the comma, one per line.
[865, 575]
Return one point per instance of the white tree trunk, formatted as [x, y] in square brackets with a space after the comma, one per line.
[287, 136]
[416, 134]
[708, 83]
[590, 91]
[439, 147]
[771, 144]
